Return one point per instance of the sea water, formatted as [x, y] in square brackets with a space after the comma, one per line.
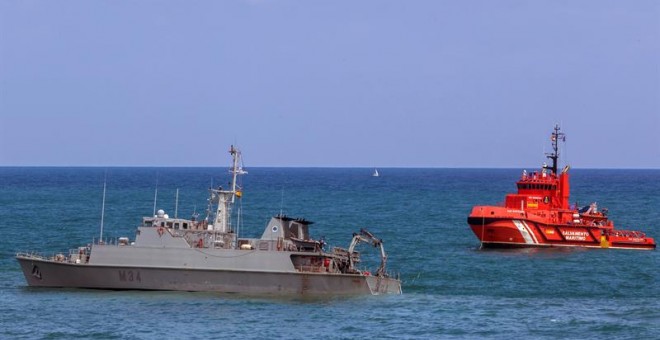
[451, 288]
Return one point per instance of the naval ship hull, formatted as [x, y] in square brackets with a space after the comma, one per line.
[47, 273]
[166, 261]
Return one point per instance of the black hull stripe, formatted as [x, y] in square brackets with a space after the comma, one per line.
[488, 220]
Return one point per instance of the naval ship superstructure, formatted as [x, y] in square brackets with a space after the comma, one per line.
[207, 255]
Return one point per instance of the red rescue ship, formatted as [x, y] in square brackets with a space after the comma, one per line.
[539, 215]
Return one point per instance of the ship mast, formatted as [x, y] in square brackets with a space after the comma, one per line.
[226, 198]
[103, 209]
[554, 156]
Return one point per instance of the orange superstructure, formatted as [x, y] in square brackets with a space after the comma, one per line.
[539, 215]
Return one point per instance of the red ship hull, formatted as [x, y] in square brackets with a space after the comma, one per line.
[505, 228]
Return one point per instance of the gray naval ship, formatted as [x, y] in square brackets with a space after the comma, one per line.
[207, 255]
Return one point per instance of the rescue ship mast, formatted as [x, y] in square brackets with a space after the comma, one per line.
[554, 156]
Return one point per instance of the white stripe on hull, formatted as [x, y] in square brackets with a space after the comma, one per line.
[552, 245]
[524, 232]
[531, 232]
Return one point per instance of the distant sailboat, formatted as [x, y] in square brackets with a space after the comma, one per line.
[375, 174]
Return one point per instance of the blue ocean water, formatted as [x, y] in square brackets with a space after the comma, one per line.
[451, 288]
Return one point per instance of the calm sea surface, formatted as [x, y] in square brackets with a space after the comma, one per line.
[451, 288]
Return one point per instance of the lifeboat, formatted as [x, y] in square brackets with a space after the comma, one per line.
[539, 215]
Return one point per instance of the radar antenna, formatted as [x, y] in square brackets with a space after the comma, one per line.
[555, 138]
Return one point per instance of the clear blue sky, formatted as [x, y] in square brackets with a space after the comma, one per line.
[329, 83]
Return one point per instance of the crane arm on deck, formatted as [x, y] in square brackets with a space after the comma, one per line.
[367, 237]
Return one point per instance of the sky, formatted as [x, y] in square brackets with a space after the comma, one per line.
[441, 83]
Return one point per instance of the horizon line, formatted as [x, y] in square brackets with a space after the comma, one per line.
[311, 167]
